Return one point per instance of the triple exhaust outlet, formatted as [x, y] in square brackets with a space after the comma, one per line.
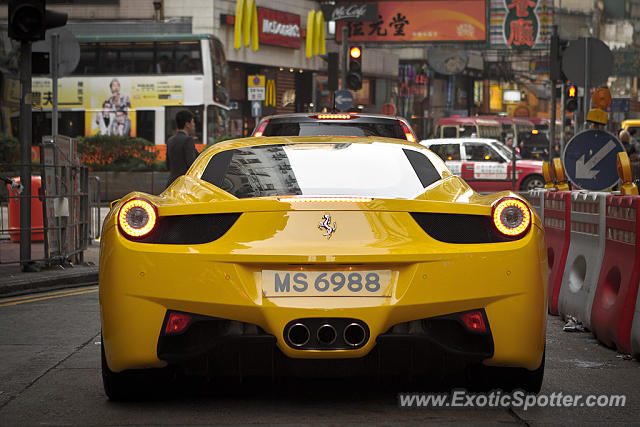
[326, 334]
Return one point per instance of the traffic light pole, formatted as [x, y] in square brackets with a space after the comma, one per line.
[25, 154]
[345, 57]
[563, 115]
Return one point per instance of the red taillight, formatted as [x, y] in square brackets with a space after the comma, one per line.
[511, 216]
[261, 128]
[137, 218]
[177, 323]
[474, 321]
[408, 133]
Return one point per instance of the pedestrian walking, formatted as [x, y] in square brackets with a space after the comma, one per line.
[181, 151]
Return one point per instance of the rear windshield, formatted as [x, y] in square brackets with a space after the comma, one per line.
[372, 170]
[386, 128]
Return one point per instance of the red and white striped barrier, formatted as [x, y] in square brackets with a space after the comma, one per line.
[557, 226]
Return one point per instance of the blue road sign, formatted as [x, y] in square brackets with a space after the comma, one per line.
[590, 160]
[256, 108]
[344, 99]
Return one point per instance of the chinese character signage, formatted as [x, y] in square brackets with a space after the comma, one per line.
[520, 24]
[419, 21]
[278, 28]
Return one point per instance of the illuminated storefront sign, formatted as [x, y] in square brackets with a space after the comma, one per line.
[402, 21]
[279, 28]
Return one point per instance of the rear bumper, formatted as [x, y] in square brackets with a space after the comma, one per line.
[139, 283]
[219, 347]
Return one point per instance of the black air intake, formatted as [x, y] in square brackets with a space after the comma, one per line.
[190, 229]
[460, 228]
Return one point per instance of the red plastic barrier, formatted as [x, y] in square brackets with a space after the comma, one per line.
[37, 224]
[557, 227]
[615, 298]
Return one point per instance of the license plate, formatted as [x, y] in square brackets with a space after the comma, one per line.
[277, 283]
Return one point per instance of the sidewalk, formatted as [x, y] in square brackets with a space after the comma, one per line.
[14, 282]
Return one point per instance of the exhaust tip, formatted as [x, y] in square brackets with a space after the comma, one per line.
[326, 334]
[354, 334]
[298, 334]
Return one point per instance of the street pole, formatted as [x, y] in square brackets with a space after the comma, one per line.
[587, 64]
[563, 115]
[345, 54]
[552, 120]
[25, 154]
[55, 43]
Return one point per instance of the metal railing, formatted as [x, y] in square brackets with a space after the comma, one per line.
[65, 209]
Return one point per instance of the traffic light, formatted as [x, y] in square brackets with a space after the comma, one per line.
[354, 71]
[29, 20]
[556, 50]
[572, 98]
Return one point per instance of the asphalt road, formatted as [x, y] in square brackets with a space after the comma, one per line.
[50, 375]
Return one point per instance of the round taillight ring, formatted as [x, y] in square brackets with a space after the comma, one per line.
[511, 217]
[137, 218]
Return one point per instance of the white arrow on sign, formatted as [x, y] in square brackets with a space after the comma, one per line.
[256, 109]
[342, 99]
[585, 170]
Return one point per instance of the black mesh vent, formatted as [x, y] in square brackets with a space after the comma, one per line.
[460, 228]
[190, 229]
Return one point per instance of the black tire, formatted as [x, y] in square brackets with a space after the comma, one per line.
[132, 385]
[486, 378]
[531, 182]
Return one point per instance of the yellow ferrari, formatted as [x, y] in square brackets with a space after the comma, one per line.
[321, 256]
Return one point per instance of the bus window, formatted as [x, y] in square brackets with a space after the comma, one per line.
[146, 124]
[467, 130]
[217, 124]
[170, 127]
[117, 58]
[220, 73]
[449, 131]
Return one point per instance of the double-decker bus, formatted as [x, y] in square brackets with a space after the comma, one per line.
[133, 85]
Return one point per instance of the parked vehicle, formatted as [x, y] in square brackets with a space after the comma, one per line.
[486, 164]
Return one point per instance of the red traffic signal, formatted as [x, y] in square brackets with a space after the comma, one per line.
[572, 91]
[355, 52]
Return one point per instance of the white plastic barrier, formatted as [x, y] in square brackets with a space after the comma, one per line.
[536, 199]
[586, 250]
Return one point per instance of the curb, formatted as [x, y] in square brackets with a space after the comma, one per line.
[49, 280]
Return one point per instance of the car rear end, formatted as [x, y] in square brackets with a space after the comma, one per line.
[323, 284]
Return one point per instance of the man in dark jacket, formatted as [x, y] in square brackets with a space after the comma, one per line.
[181, 151]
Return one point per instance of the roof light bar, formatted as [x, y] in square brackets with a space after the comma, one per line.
[331, 199]
[333, 116]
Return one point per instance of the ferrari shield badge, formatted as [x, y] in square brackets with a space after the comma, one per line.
[325, 226]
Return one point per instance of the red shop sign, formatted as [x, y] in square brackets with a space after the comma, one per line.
[278, 28]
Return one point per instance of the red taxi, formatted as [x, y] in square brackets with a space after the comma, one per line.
[486, 164]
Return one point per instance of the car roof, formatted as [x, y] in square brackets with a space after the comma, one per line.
[457, 140]
[278, 140]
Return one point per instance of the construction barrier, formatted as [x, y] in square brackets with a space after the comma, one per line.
[615, 297]
[557, 226]
[584, 259]
[536, 199]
